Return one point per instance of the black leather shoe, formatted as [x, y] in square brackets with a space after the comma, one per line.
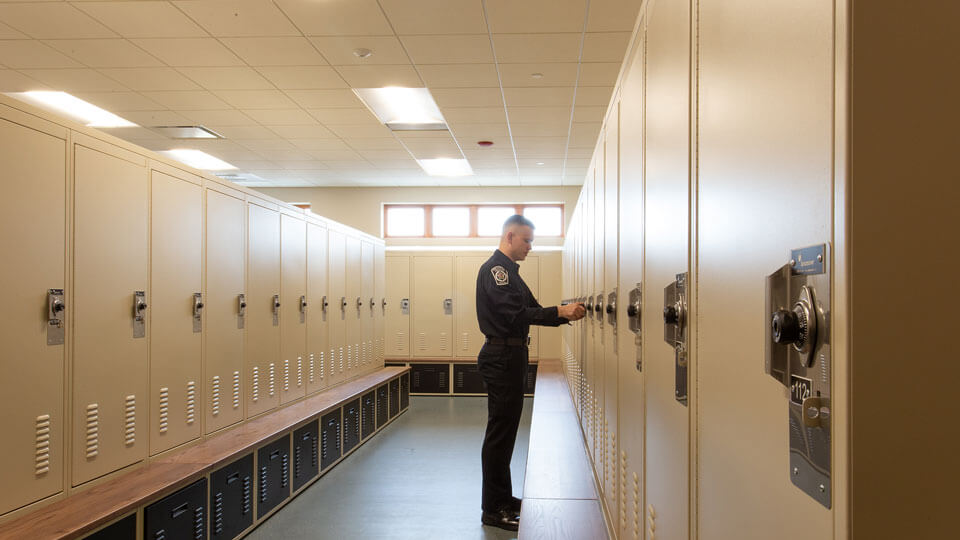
[504, 519]
[515, 505]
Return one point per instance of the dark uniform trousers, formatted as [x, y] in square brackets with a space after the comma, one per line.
[504, 371]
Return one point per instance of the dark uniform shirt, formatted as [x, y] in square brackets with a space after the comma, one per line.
[505, 305]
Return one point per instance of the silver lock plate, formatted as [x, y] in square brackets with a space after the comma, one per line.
[675, 331]
[448, 306]
[612, 309]
[139, 314]
[634, 314]
[303, 309]
[276, 310]
[241, 310]
[797, 355]
[197, 313]
[405, 306]
[56, 315]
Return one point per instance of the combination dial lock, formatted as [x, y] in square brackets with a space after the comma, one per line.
[797, 327]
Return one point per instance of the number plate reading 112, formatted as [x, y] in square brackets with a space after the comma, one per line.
[800, 389]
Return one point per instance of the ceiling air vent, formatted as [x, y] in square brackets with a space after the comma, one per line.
[187, 132]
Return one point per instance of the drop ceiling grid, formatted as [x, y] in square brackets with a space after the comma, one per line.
[273, 77]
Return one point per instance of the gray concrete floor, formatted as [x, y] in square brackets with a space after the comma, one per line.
[418, 478]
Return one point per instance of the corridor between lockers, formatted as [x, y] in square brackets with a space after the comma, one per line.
[420, 478]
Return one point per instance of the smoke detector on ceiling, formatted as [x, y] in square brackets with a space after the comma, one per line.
[362, 53]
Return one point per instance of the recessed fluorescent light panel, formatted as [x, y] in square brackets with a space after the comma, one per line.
[186, 132]
[403, 109]
[198, 159]
[446, 167]
[78, 109]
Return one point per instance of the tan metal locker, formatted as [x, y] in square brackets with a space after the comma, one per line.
[469, 337]
[176, 314]
[602, 432]
[293, 308]
[367, 311]
[380, 297]
[223, 326]
[632, 515]
[738, 483]
[590, 322]
[613, 464]
[432, 306]
[550, 295]
[338, 308]
[530, 272]
[319, 310]
[397, 317]
[262, 354]
[355, 304]
[110, 265]
[32, 385]
[666, 226]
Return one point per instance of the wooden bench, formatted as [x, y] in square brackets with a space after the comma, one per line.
[89, 510]
[451, 376]
[560, 497]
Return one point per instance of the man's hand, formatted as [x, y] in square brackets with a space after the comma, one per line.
[572, 312]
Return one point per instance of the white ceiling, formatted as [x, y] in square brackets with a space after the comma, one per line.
[274, 78]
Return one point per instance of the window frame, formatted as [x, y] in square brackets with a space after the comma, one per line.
[474, 226]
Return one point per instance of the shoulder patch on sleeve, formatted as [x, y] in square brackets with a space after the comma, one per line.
[500, 275]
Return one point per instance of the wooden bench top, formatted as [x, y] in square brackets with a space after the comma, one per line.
[86, 510]
[560, 497]
[440, 360]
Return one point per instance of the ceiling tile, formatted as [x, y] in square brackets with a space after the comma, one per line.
[532, 97]
[584, 113]
[428, 149]
[227, 78]
[537, 48]
[281, 117]
[620, 15]
[435, 16]
[549, 163]
[488, 153]
[605, 47]
[147, 79]
[548, 115]
[143, 19]
[350, 165]
[189, 51]
[189, 100]
[284, 155]
[254, 164]
[337, 17]
[477, 132]
[319, 144]
[30, 54]
[403, 164]
[586, 153]
[256, 99]
[598, 96]
[459, 75]
[474, 115]
[464, 49]
[469, 143]
[598, 74]
[336, 155]
[312, 99]
[380, 76]
[422, 134]
[303, 165]
[375, 143]
[12, 81]
[129, 133]
[533, 144]
[75, 80]
[244, 133]
[584, 134]
[538, 130]
[303, 77]
[385, 155]
[338, 50]
[239, 18]
[363, 131]
[305, 131]
[550, 74]
[50, 20]
[7, 32]
[156, 118]
[510, 16]
[228, 117]
[118, 102]
[468, 97]
[104, 53]
[275, 51]
[354, 116]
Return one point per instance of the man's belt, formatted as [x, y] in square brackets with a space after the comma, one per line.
[509, 341]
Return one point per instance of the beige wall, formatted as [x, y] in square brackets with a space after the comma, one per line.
[362, 207]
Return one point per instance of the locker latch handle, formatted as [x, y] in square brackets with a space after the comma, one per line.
[197, 305]
[303, 304]
[180, 510]
[383, 302]
[343, 303]
[359, 303]
[242, 304]
[139, 305]
[373, 303]
[324, 303]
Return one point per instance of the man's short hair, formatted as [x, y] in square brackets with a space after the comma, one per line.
[517, 219]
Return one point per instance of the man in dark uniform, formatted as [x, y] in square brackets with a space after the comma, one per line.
[505, 310]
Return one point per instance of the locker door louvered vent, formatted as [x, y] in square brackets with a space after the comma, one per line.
[444, 341]
[273, 379]
[349, 357]
[636, 505]
[285, 470]
[286, 376]
[93, 430]
[341, 359]
[215, 396]
[333, 362]
[42, 464]
[300, 372]
[256, 383]
[191, 402]
[217, 517]
[130, 420]
[623, 490]
[263, 483]
[247, 495]
[236, 389]
[401, 341]
[421, 341]
[198, 528]
[323, 365]
[465, 341]
[164, 409]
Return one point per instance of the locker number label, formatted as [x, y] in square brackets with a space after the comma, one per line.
[800, 389]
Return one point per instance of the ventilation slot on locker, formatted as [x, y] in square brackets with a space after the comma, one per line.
[215, 396]
[382, 413]
[531, 382]
[404, 391]
[236, 389]
[430, 379]
[323, 365]
[329, 439]
[273, 379]
[310, 376]
[130, 421]
[256, 384]
[42, 463]
[368, 412]
[401, 341]
[341, 359]
[191, 402]
[444, 341]
[286, 376]
[421, 341]
[465, 341]
[349, 357]
[164, 409]
[181, 515]
[93, 430]
[351, 425]
[306, 454]
[299, 372]
[394, 397]
[231, 499]
[273, 462]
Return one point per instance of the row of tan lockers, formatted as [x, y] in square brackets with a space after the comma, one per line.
[764, 239]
